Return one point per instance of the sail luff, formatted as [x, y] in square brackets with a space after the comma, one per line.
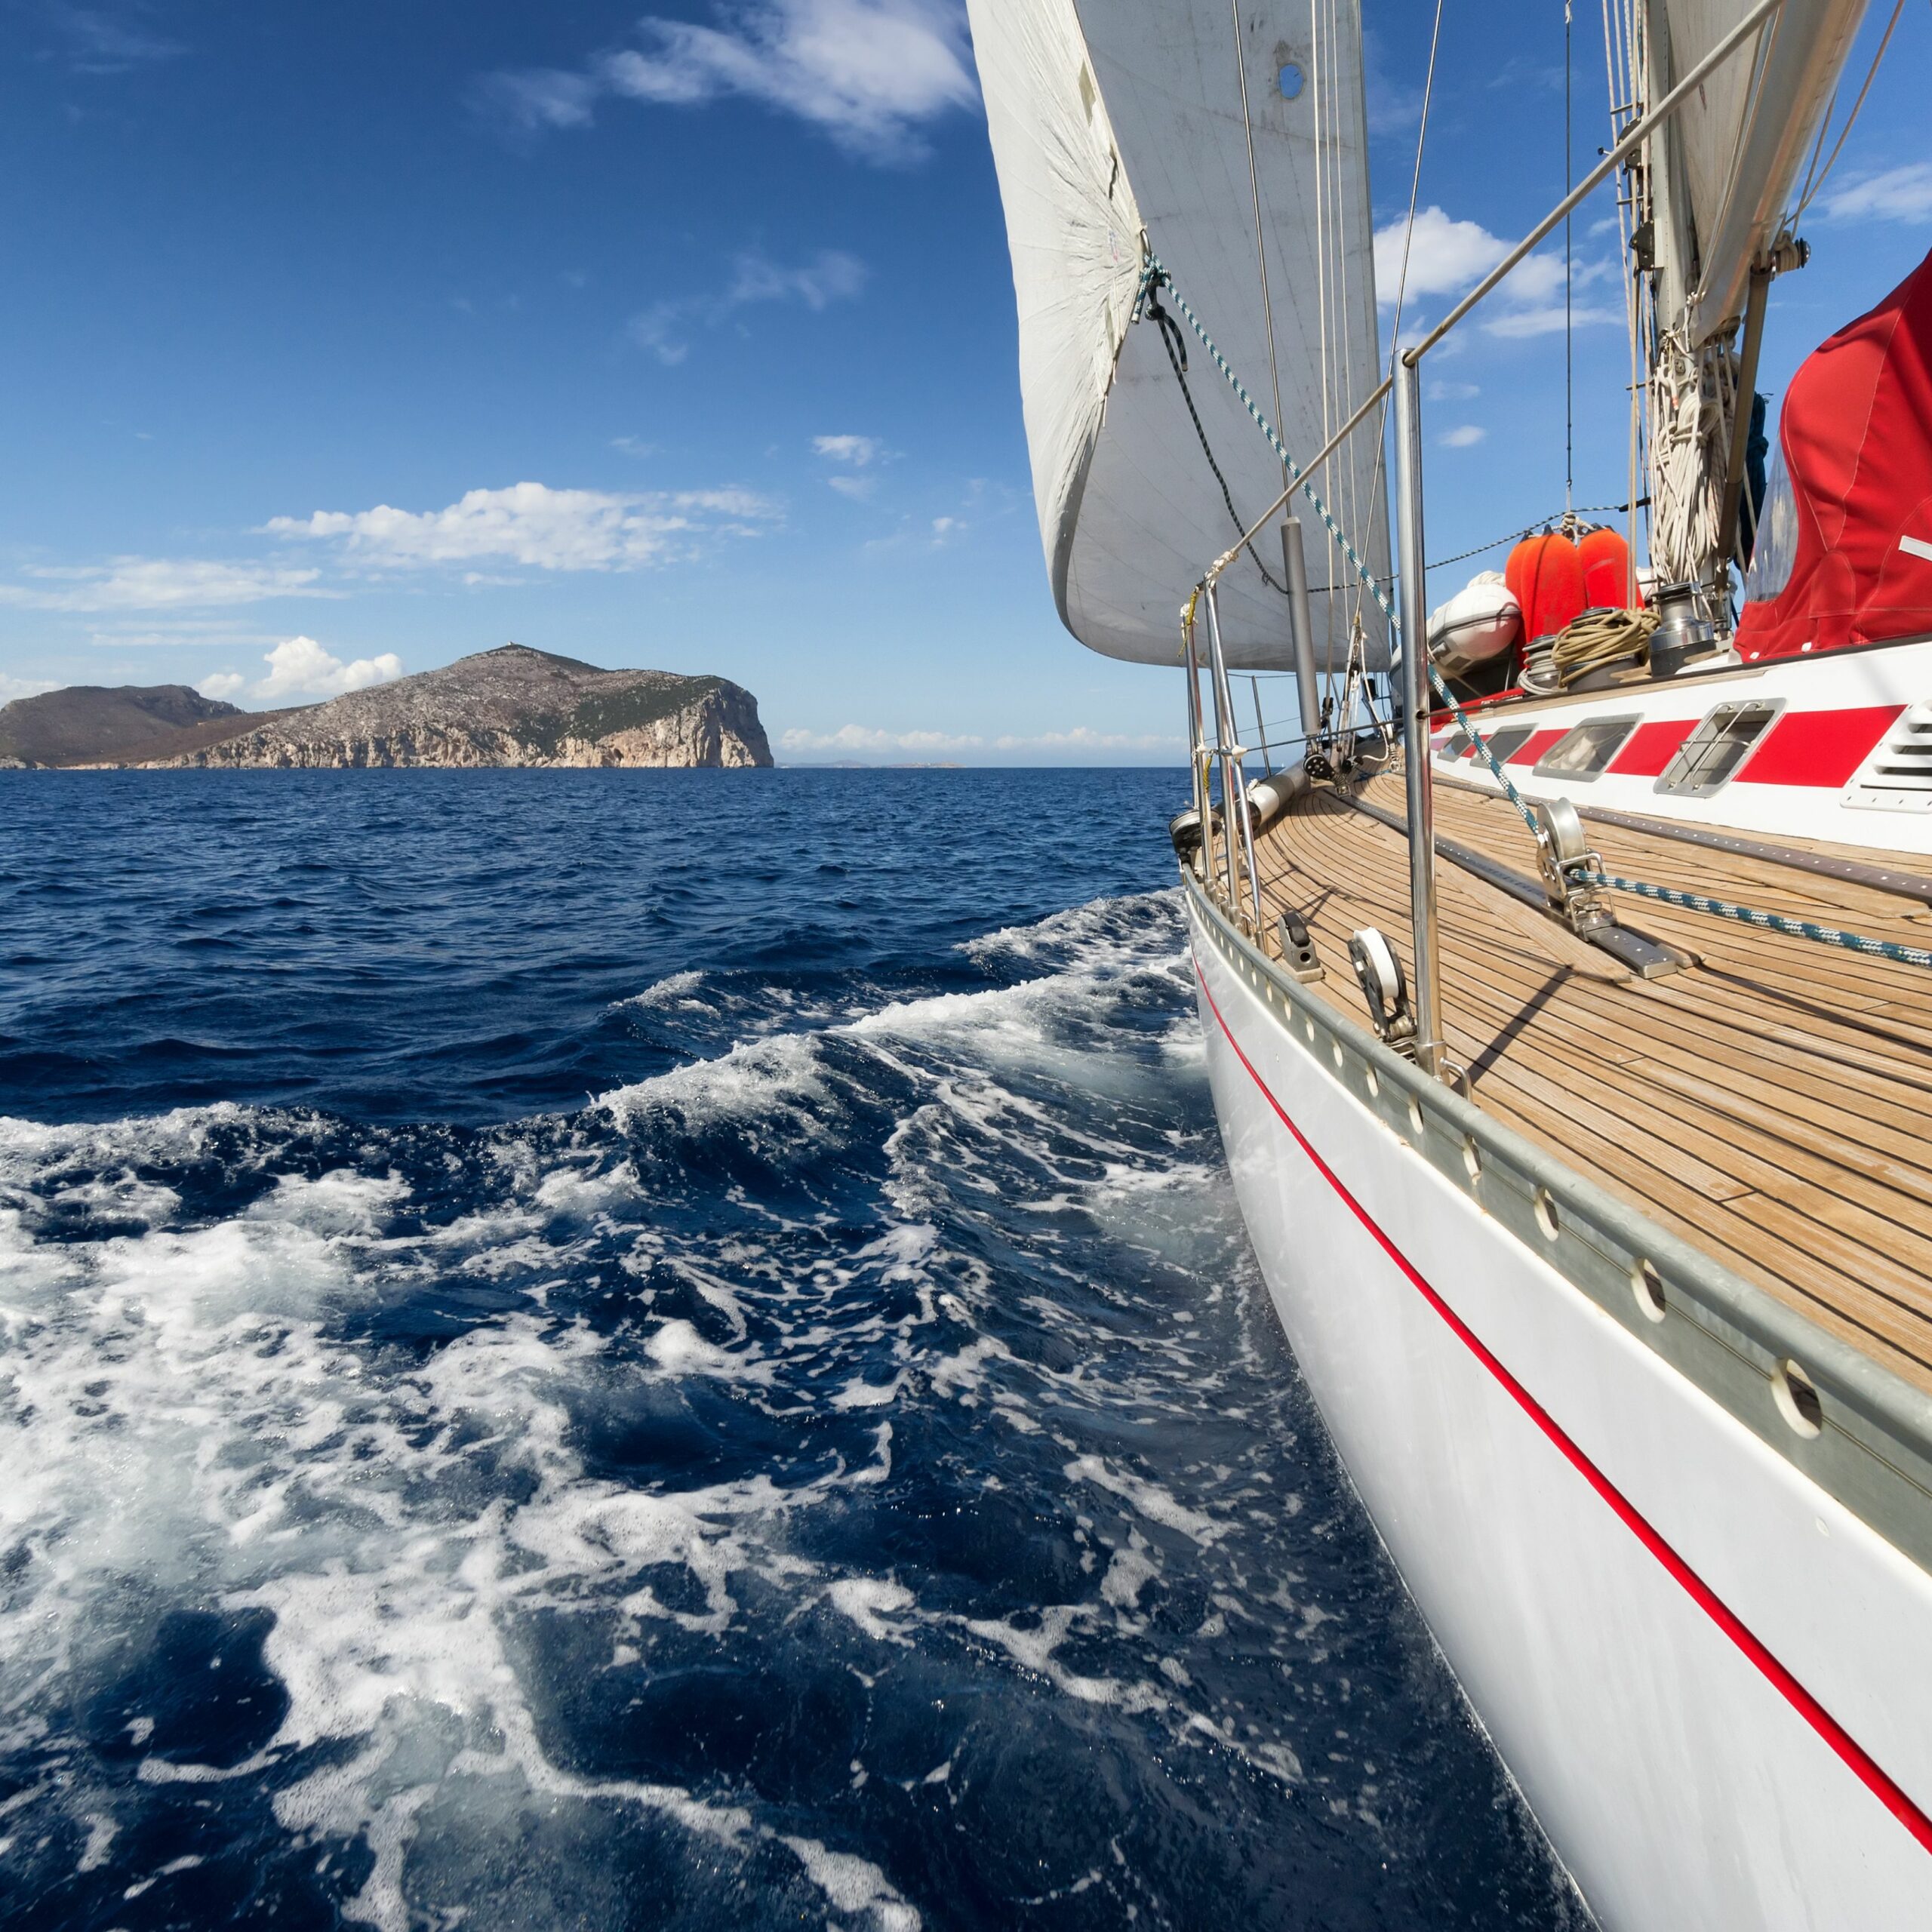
[1724, 169]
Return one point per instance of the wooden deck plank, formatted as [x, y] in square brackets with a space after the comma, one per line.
[1770, 1103]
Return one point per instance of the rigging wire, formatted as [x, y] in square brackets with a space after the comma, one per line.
[1569, 331]
[1260, 247]
[1408, 239]
[1172, 341]
[1530, 529]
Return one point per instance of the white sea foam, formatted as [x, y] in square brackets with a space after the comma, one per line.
[193, 1405]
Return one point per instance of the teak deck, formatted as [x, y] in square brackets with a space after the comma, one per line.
[1770, 1103]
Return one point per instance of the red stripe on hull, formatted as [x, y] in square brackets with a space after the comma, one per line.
[1818, 747]
[1846, 1748]
[1651, 748]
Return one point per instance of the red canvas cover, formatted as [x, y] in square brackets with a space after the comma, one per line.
[1855, 435]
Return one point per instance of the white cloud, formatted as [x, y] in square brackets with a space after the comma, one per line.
[633, 446]
[223, 684]
[657, 329]
[832, 276]
[300, 667]
[1448, 257]
[867, 73]
[1517, 325]
[857, 451]
[543, 97]
[1464, 437]
[534, 525]
[100, 44]
[1899, 194]
[155, 583]
[1441, 391]
[1445, 255]
[861, 741]
[12, 687]
[858, 488]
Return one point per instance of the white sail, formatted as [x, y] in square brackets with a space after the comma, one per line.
[1732, 154]
[1112, 119]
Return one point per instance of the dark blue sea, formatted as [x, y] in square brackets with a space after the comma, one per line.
[626, 1350]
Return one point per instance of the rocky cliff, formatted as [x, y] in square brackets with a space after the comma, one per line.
[511, 706]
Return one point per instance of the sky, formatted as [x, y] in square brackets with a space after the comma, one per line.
[341, 340]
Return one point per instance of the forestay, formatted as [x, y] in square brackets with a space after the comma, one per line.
[1115, 122]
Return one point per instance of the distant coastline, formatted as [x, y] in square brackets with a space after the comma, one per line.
[512, 707]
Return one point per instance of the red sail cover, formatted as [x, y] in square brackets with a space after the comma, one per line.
[1855, 437]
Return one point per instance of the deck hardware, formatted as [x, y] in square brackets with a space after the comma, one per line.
[1647, 1285]
[1298, 953]
[1547, 1214]
[1797, 1399]
[1379, 974]
[1566, 859]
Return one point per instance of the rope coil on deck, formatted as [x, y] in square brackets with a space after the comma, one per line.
[1155, 273]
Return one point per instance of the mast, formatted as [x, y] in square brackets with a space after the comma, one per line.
[1708, 231]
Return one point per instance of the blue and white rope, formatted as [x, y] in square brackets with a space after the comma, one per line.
[1775, 922]
[1156, 269]
[1695, 901]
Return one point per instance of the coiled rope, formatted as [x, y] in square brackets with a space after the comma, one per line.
[1598, 638]
[1696, 902]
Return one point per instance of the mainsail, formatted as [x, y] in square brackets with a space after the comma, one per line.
[1118, 127]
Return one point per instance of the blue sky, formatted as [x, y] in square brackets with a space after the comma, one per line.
[350, 338]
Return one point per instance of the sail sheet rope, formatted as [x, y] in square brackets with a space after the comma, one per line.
[1695, 901]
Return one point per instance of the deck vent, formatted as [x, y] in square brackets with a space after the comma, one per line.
[1707, 759]
[1897, 777]
[1504, 745]
[1583, 751]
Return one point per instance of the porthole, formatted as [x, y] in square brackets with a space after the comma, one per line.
[1372, 1081]
[1797, 1399]
[1546, 1213]
[1472, 1157]
[1308, 1026]
[1336, 1049]
[1647, 1285]
[1415, 1116]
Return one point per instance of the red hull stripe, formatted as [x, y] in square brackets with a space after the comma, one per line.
[1533, 747]
[1814, 1714]
[1651, 748]
[1818, 747]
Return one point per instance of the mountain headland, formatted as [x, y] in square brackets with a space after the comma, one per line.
[90, 724]
[510, 706]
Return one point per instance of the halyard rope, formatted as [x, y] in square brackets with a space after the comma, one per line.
[1154, 274]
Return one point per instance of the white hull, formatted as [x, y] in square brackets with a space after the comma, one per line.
[1712, 1681]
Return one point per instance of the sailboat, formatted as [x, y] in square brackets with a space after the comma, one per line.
[1566, 975]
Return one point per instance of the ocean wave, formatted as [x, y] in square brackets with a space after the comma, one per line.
[852, 1475]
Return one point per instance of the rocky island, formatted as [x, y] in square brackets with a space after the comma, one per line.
[510, 707]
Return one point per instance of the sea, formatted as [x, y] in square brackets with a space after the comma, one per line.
[667, 1349]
